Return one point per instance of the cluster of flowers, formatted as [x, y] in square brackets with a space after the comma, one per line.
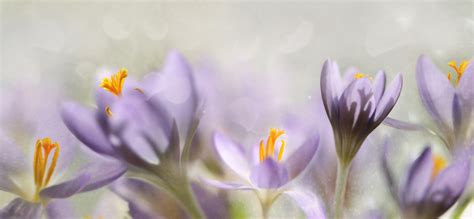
[144, 142]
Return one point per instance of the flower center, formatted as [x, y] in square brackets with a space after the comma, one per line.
[360, 75]
[439, 163]
[43, 172]
[269, 150]
[459, 70]
[114, 84]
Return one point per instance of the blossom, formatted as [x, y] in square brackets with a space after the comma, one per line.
[142, 198]
[42, 180]
[431, 185]
[449, 99]
[149, 126]
[355, 104]
[268, 170]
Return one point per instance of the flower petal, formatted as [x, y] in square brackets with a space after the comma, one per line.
[298, 161]
[448, 187]
[11, 163]
[379, 85]
[331, 85]
[141, 197]
[19, 208]
[418, 179]
[465, 84]
[436, 92]
[269, 174]
[309, 203]
[91, 177]
[389, 98]
[83, 124]
[232, 154]
[60, 209]
[226, 185]
[398, 124]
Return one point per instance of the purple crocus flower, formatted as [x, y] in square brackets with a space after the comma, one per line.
[148, 125]
[39, 182]
[267, 169]
[449, 99]
[430, 186]
[142, 198]
[355, 104]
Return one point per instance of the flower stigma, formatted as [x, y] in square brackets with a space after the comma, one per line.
[114, 84]
[269, 150]
[459, 70]
[439, 163]
[362, 75]
[43, 172]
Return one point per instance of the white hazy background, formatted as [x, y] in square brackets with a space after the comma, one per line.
[62, 46]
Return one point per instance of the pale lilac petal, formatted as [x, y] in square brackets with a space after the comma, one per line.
[269, 174]
[213, 205]
[358, 94]
[298, 161]
[448, 186]
[331, 85]
[91, 177]
[141, 197]
[83, 124]
[67, 188]
[60, 209]
[398, 124]
[102, 173]
[20, 209]
[227, 185]
[12, 161]
[176, 88]
[309, 203]
[389, 98]
[379, 85]
[465, 87]
[140, 126]
[232, 154]
[436, 92]
[418, 179]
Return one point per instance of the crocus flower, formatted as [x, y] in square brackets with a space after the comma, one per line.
[149, 125]
[142, 198]
[355, 105]
[449, 99]
[268, 170]
[39, 179]
[430, 186]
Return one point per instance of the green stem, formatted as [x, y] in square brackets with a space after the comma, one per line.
[462, 206]
[189, 202]
[341, 182]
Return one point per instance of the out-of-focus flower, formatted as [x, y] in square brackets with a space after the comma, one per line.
[149, 125]
[267, 169]
[355, 105]
[449, 99]
[142, 198]
[430, 186]
[45, 181]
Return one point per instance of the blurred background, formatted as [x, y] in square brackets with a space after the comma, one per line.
[53, 51]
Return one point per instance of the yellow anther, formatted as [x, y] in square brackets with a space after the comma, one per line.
[108, 112]
[362, 75]
[458, 70]
[43, 173]
[269, 150]
[282, 149]
[114, 84]
[439, 163]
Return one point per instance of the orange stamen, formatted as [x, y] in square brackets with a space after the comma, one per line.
[269, 150]
[114, 84]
